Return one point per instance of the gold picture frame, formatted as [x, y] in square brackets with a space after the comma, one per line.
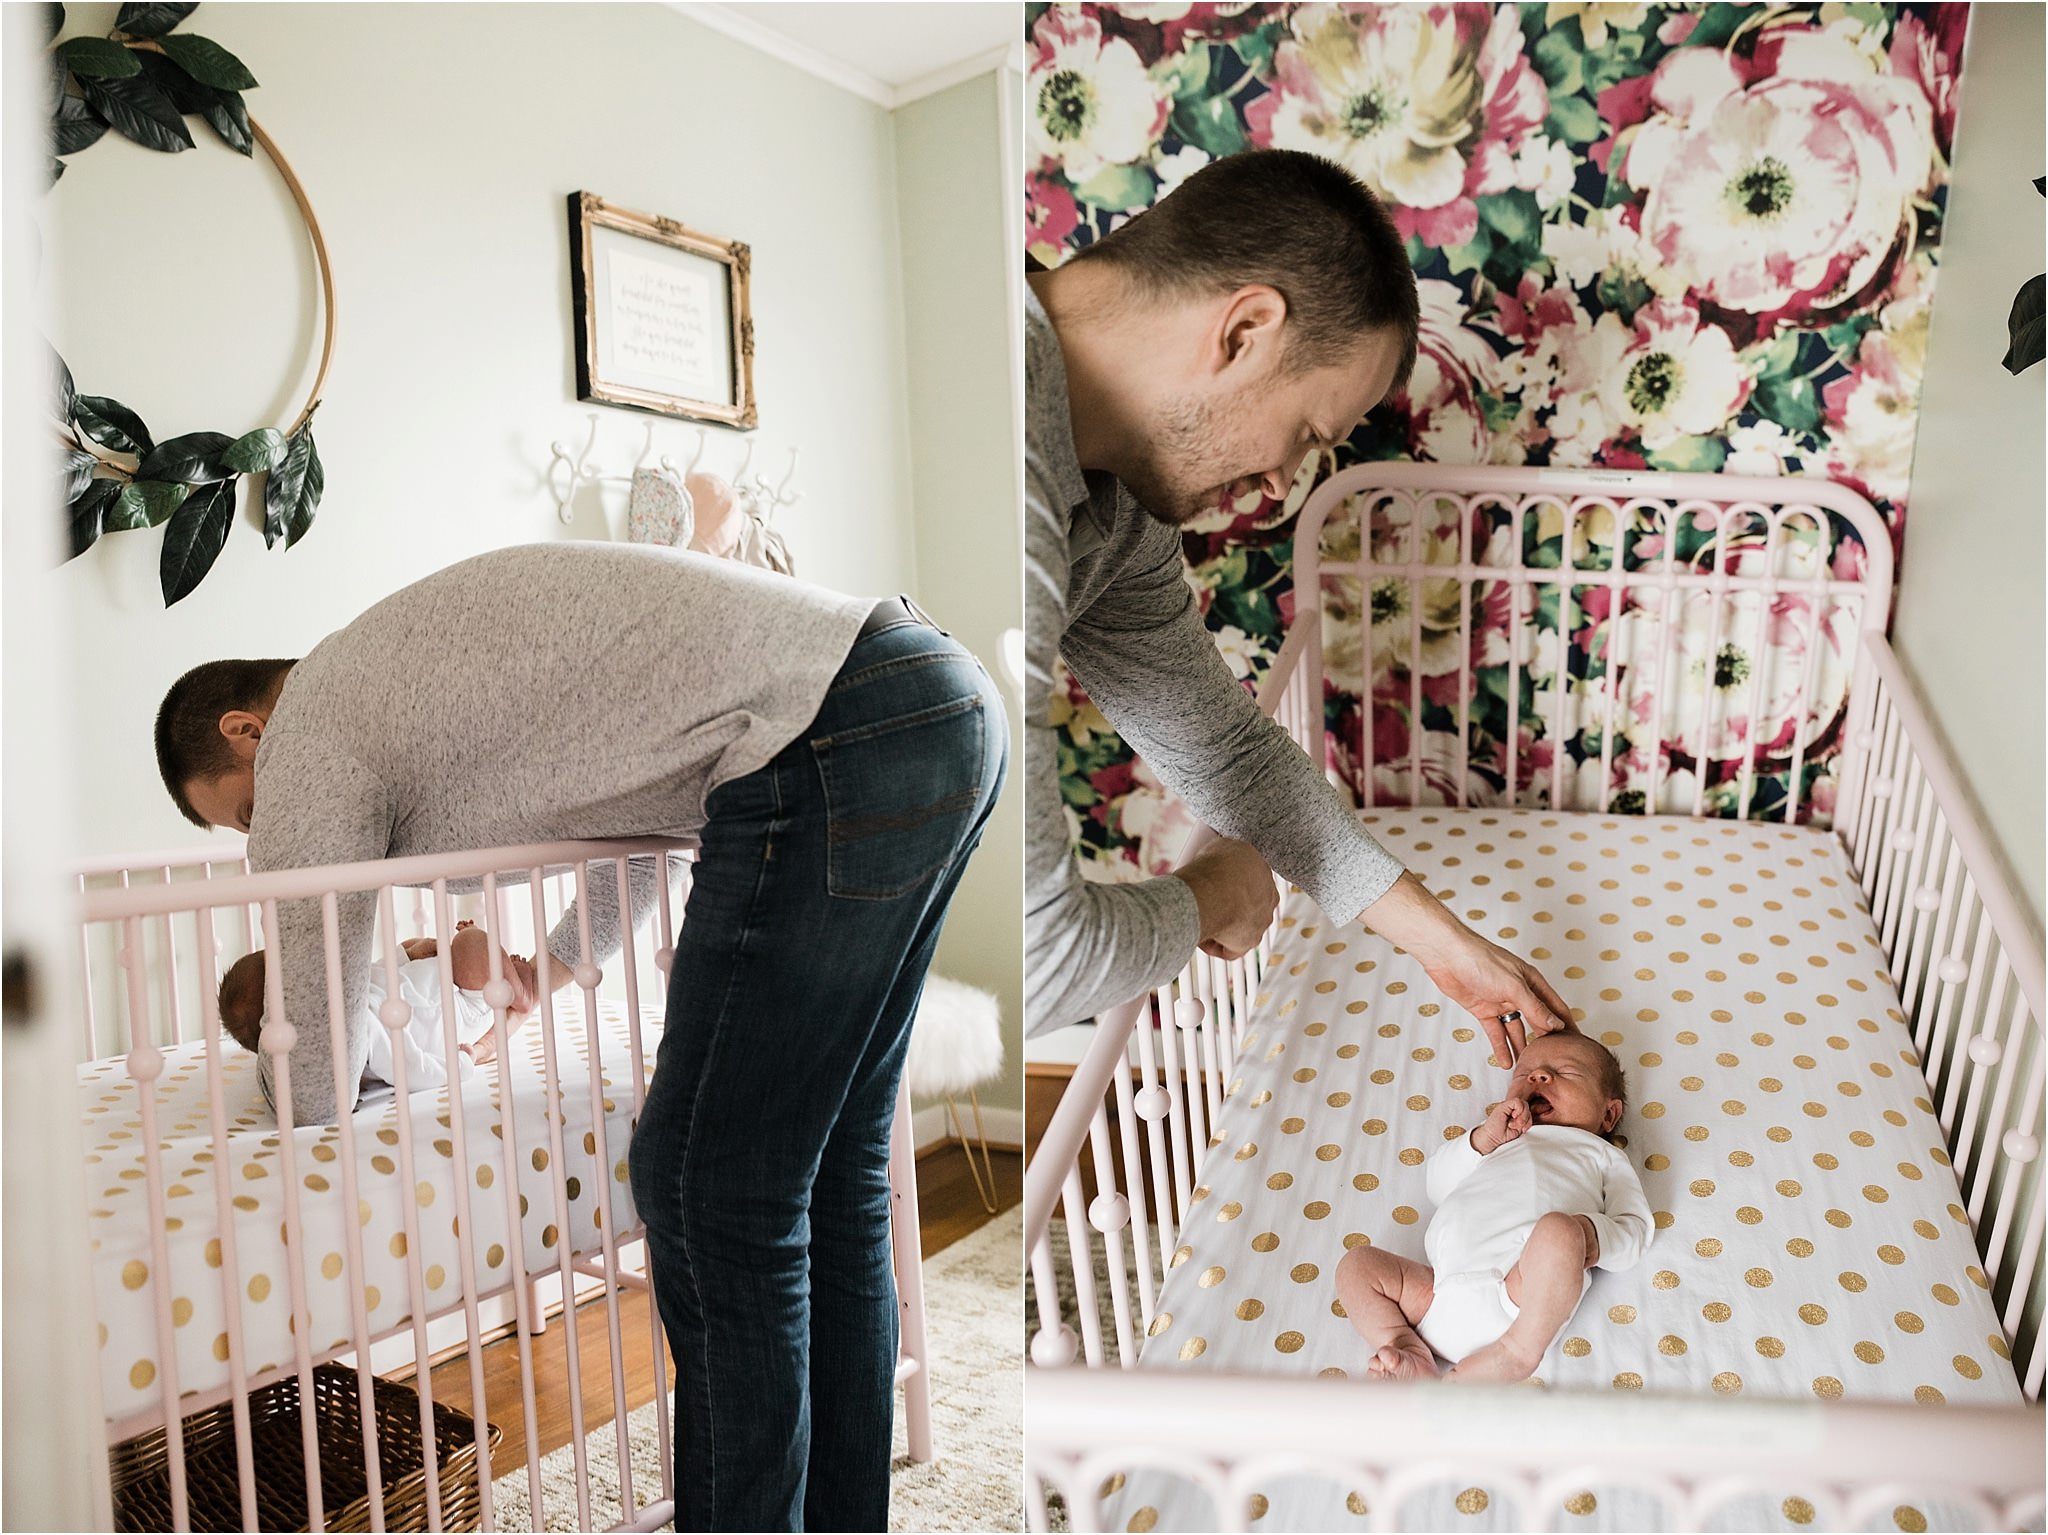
[664, 315]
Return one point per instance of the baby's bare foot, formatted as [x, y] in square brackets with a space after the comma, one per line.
[1406, 1358]
[1502, 1361]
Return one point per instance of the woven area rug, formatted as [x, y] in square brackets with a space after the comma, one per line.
[976, 1482]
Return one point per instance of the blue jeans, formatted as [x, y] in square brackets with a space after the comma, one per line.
[761, 1160]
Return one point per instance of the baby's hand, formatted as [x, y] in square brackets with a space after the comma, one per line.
[419, 948]
[1507, 1122]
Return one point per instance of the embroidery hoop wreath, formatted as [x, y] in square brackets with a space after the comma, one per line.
[141, 80]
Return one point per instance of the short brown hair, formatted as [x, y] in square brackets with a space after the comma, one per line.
[241, 1000]
[189, 744]
[1293, 221]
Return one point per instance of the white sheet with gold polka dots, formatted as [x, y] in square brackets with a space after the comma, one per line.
[124, 1270]
[1809, 1240]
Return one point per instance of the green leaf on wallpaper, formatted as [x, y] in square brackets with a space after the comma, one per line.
[1558, 60]
[1690, 455]
[1470, 256]
[1791, 402]
[1499, 414]
[1186, 74]
[1573, 119]
[1775, 358]
[1515, 216]
[1623, 292]
[1416, 251]
[1717, 24]
[1846, 336]
[1621, 58]
[1212, 125]
[1119, 188]
[1256, 47]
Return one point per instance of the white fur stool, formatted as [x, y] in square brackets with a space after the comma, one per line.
[956, 1043]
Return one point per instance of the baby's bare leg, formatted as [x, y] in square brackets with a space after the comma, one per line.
[1546, 1284]
[1384, 1296]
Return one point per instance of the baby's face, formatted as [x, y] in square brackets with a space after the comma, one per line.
[1559, 1075]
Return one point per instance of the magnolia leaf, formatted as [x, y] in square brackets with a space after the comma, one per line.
[56, 170]
[292, 493]
[223, 109]
[255, 451]
[198, 530]
[2024, 326]
[111, 424]
[144, 504]
[76, 125]
[86, 511]
[53, 22]
[194, 459]
[207, 62]
[62, 379]
[78, 468]
[230, 119]
[139, 110]
[151, 20]
[97, 58]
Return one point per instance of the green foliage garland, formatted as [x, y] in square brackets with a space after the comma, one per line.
[141, 81]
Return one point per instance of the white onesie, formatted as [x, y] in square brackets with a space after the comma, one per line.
[426, 1062]
[1486, 1206]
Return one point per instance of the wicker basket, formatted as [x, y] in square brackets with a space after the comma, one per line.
[142, 1473]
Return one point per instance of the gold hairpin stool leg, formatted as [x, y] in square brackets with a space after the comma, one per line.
[985, 1175]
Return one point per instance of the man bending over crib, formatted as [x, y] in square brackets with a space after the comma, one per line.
[1526, 1206]
[422, 1039]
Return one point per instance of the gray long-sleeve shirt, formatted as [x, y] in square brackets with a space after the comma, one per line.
[1105, 587]
[535, 694]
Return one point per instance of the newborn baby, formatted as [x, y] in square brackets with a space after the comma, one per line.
[1526, 1205]
[419, 985]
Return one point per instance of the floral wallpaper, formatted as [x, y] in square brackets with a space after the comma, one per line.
[1694, 238]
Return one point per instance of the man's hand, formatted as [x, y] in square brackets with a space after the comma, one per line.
[1508, 1121]
[419, 948]
[1235, 894]
[1504, 993]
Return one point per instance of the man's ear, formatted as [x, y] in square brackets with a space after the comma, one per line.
[1615, 1109]
[243, 730]
[1252, 323]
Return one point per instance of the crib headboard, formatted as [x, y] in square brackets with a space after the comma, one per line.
[1583, 639]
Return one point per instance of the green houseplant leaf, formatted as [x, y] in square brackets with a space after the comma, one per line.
[194, 539]
[76, 126]
[144, 504]
[111, 424]
[292, 493]
[151, 20]
[194, 459]
[78, 468]
[254, 451]
[53, 22]
[2024, 328]
[138, 110]
[61, 377]
[97, 58]
[86, 512]
[223, 109]
[207, 62]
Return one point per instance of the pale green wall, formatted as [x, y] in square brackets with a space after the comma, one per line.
[1969, 620]
[951, 193]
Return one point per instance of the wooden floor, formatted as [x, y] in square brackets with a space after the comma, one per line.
[948, 1209]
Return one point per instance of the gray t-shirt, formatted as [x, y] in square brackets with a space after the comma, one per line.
[1105, 587]
[535, 694]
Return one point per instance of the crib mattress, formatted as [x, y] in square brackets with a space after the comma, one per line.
[1809, 1240]
[125, 1276]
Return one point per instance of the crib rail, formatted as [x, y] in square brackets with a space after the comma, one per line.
[162, 1007]
[1123, 1156]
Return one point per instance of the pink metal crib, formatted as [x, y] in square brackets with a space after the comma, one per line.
[1144, 1105]
[152, 931]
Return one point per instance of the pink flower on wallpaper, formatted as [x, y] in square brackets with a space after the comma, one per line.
[1873, 410]
[1722, 701]
[1453, 363]
[1411, 99]
[1782, 187]
[1931, 59]
[1091, 102]
[1050, 213]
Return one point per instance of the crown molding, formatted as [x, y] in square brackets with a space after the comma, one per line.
[777, 45]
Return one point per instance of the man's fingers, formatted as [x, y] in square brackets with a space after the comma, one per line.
[1547, 994]
[1517, 1032]
[1497, 1037]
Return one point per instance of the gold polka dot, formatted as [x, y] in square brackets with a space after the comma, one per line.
[1827, 1387]
[1417, 1104]
[1671, 1345]
[1145, 1518]
[1854, 1282]
[495, 1255]
[1316, 1209]
[1211, 1277]
[1289, 1342]
[1906, 1321]
[1628, 1380]
[1728, 1383]
[1664, 1279]
[1374, 1127]
[1700, 1188]
[1749, 1215]
[330, 1266]
[1716, 1311]
[1265, 1242]
[1230, 1212]
[1708, 1247]
[1757, 1278]
[1472, 1501]
[143, 1373]
[435, 1276]
[1812, 1315]
[1411, 1156]
[1621, 1315]
[1577, 1348]
[1250, 1310]
[1869, 1353]
[135, 1273]
[1797, 1510]
[1771, 1348]
[1303, 1273]
[1280, 1181]
[1928, 1396]
[259, 1287]
[1328, 1153]
[1404, 1216]
[1968, 1368]
[1799, 1247]
[1365, 1183]
[1356, 1504]
[1839, 1219]
[1909, 1519]
[1656, 1162]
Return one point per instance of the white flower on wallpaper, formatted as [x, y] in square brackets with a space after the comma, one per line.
[1092, 102]
[1675, 377]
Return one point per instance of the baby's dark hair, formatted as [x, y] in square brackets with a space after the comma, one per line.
[241, 999]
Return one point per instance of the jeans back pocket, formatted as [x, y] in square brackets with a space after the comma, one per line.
[900, 797]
